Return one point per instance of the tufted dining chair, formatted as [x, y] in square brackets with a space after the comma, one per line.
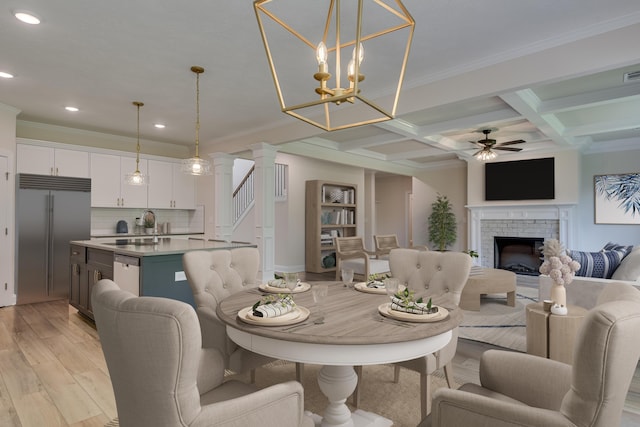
[161, 375]
[213, 276]
[431, 273]
[525, 390]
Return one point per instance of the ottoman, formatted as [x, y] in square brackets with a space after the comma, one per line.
[484, 281]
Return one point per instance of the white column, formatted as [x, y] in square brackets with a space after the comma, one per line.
[264, 156]
[223, 195]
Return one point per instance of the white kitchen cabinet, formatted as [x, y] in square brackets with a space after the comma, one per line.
[41, 160]
[169, 188]
[108, 186]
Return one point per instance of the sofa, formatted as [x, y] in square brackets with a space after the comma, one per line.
[583, 291]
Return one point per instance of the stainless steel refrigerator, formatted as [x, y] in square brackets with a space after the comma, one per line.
[50, 211]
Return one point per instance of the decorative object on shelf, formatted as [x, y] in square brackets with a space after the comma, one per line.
[337, 37]
[442, 223]
[616, 198]
[329, 261]
[197, 165]
[137, 178]
[335, 196]
[561, 269]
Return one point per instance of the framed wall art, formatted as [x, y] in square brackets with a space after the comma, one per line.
[617, 198]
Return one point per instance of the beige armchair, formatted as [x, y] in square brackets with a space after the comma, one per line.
[525, 390]
[431, 273]
[161, 375]
[385, 242]
[213, 276]
[351, 253]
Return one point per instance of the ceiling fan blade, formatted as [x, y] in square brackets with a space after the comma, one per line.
[477, 152]
[506, 148]
[515, 141]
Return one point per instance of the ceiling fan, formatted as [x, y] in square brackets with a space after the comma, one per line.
[488, 145]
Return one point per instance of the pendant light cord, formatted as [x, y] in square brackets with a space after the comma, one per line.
[138, 104]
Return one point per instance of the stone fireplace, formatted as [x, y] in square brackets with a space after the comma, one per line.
[518, 221]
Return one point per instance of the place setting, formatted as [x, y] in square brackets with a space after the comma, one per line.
[274, 310]
[377, 284]
[404, 306]
[288, 283]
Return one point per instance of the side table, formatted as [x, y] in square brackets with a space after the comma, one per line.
[552, 336]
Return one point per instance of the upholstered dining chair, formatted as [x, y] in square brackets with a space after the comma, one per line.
[351, 253]
[161, 375]
[430, 273]
[213, 276]
[525, 390]
[385, 242]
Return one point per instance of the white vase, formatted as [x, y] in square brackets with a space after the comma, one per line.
[559, 294]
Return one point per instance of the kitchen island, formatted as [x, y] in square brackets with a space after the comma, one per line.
[140, 265]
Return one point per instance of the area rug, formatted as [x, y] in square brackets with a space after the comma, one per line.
[398, 402]
[498, 323]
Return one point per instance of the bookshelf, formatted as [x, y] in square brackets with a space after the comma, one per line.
[330, 211]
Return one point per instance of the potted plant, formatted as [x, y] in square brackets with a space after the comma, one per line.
[149, 224]
[442, 223]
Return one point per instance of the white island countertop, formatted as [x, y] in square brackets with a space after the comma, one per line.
[141, 247]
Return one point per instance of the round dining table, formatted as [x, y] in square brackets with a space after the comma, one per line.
[345, 330]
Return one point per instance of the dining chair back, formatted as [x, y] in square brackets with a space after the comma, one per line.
[213, 276]
[431, 273]
[161, 375]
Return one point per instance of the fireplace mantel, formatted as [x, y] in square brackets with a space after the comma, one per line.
[564, 214]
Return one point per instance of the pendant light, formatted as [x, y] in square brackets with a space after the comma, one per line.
[195, 165]
[137, 178]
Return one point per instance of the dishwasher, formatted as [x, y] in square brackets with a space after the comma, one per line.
[126, 273]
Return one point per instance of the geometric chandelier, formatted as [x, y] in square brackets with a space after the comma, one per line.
[360, 47]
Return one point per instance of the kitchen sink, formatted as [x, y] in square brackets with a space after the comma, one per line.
[138, 242]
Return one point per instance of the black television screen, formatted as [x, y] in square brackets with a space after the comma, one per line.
[532, 179]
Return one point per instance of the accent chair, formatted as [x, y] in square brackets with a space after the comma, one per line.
[162, 377]
[525, 390]
[385, 242]
[351, 253]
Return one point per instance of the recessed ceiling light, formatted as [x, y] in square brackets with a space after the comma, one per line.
[6, 75]
[73, 109]
[159, 125]
[27, 17]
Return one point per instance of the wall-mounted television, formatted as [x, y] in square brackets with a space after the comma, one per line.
[532, 179]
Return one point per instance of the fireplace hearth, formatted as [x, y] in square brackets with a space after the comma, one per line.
[522, 255]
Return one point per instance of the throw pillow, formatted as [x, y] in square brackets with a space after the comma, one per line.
[616, 247]
[597, 264]
[629, 268]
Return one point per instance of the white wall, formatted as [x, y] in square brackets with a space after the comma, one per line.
[450, 182]
[391, 215]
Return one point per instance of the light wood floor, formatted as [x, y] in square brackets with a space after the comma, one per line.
[53, 373]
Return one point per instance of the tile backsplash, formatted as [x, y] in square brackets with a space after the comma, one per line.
[104, 220]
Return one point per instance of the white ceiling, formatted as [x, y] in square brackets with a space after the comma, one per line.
[545, 71]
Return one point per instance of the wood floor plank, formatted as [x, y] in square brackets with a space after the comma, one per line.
[68, 396]
[97, 421]
[6, 339]
[97, 384]
[70, 355]
[18, 375]
[8, 414]
[38, 410]
[33, 348]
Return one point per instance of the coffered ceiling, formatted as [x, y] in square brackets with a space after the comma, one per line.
[548, 72]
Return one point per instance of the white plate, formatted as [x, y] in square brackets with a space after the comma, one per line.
[298, 314]
[302, 287]
[362, 287]
[385, 310]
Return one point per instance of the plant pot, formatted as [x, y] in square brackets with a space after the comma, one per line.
[148, 230]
